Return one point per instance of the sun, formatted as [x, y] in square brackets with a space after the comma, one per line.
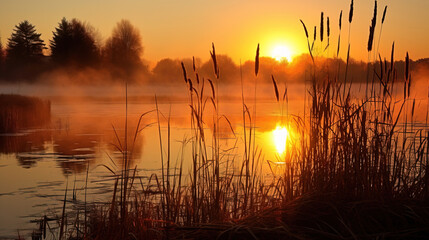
[280, 135]
[281, 53]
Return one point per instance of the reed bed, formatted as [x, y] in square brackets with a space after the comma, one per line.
[354, 169]
[21, 112]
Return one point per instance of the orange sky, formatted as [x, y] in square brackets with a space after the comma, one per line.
[179, 29]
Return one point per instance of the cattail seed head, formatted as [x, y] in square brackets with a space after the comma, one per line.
[407, 67]
[193, 63]
[305, 28]
[370, 38]
[321, 27]
[190, 85]
[257, 61]
[391, 56]
[184, 72]
[351, 12]
[315, 33]
[276, 90]
[213, 55]
[384, 15]
[372, 28]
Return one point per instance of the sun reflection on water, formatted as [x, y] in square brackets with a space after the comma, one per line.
[280, 135]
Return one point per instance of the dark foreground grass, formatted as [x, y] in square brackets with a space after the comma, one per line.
[323, 216]
[357, 168]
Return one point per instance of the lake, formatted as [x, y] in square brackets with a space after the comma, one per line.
[37, 165]
[80, 146]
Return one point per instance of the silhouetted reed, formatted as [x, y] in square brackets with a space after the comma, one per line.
[372, 28]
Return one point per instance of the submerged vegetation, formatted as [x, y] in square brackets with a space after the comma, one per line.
[355, 167]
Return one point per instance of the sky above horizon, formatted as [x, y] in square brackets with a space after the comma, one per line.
[182, 29]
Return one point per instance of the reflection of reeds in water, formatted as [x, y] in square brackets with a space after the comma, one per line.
[21, 112]
[348, 170]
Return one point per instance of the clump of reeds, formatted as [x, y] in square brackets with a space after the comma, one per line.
[352, 172]
[21, 112]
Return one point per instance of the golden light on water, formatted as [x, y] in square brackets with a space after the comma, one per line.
[281, 53]
[280, 135]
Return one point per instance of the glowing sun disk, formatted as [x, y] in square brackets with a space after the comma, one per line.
[281, 53]
[280, 135]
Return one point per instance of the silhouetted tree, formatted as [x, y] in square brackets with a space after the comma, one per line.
[124, 48]
[168, 70]
[24, 45]
[229, 71]
[74, 43]
[61, 41]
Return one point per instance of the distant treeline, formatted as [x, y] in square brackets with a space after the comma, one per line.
[75, 46]
[77, 54]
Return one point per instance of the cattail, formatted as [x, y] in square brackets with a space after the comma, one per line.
[193, 63]
[351, 12]
[315, 34]
[328, 31]
[276, 90]
[406, 82]
[339, 35]
[308, 42]
[409, 85]
[321, 27]
[257, 61]
[391, 56]
[184, 73]
[370, 38]
[372, 28]
[190, 85]
[213, 55]
[407, 66]
[305, 28]
[374, 17]
[339, 43]
[381, 66]
[384, 14]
